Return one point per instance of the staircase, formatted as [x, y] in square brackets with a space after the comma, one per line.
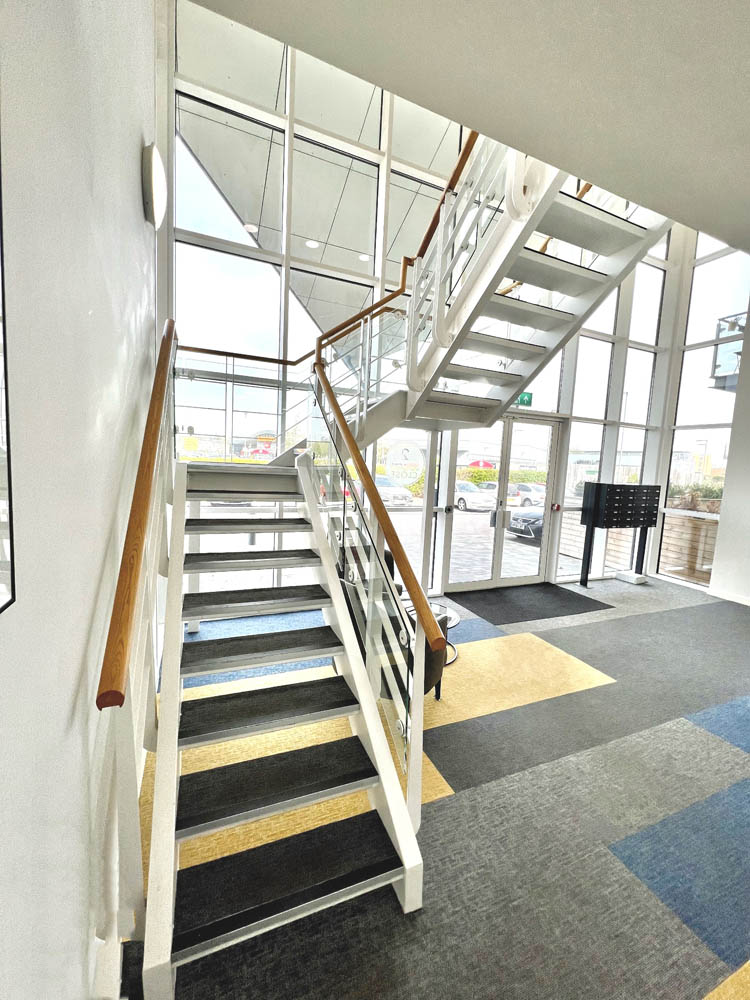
[267, 522]
[520, 258]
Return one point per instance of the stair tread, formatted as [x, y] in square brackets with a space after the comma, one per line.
[131, 983]
[529, 314]
[196, 558]
[549, 272]
[234, 892]
[304, 643]
[270, 496]
[266, 708]
[459, 399]
[207, 797]
[471, 373]
[589, 226]
[194, 524]
[258, 596]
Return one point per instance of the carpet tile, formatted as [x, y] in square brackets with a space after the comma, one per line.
[734, 987]
[472, 629]
[697, 862]
[496, 674]
[730, 721]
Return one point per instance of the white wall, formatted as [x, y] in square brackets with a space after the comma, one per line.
[76, 106]
[730, 577]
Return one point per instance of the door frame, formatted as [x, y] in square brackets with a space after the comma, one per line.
[547, 569]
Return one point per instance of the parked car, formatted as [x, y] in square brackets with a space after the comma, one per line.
[470, 497]
[393, 495]
[525, 495]
[488, 487]
[527, 524]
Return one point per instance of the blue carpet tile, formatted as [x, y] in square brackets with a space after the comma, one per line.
[697, 862]
[730, 721]
[226, 627]
[472, 629]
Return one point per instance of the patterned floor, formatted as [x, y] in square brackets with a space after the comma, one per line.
[585, 829]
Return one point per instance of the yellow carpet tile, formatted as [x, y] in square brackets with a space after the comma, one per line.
[492, 675]
[736, 987]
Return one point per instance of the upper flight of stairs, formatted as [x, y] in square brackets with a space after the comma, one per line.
[228, 899]
[498, 343]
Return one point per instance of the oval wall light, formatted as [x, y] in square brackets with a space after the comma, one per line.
[154, 184]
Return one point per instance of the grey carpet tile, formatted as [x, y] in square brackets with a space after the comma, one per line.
[667, 665]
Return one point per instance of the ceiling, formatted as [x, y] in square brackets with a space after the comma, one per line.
[649, 100]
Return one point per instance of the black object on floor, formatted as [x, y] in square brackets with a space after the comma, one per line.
[502, 605]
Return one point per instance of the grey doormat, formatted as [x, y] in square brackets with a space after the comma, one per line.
[503, 605]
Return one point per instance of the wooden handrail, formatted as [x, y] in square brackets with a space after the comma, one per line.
[423, 611]
[114, 673]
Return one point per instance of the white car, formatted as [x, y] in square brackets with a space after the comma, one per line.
[393, 495]
[470, 497]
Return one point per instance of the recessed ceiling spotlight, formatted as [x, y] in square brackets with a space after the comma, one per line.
[313, 244]
[364, 256]
[251, 227]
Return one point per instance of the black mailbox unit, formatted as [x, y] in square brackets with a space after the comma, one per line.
[617, 505]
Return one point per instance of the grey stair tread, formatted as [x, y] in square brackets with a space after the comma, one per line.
[260, 596]
[239, 468]
[194, 525]
[585, 225]
[485, 343]
[197, 558]
[472, 373]
[266, 709]
[549, 272]
[231, 792]
[244, 496]
[459, 399]
[268, 647]
[530, 314]
[232, 893]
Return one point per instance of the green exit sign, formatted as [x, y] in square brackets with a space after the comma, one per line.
[524, 399]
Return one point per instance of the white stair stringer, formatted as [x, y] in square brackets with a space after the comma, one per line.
[506, 242]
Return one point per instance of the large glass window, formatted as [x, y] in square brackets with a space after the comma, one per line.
[709, 383]
[602, 320]
[226, 301]
[230, 57]
[317, 304]
[647, 293]
[410, 209]
[584, 456]
[423, 138]
[721, 288]
[229, 175]
[336, 101]
[636, 395]
[333, 208]
[592, 378]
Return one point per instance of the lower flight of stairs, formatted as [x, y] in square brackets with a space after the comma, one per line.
[224, 901]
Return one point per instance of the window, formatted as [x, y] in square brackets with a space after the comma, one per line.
[229, 176]
[602, 320]
[636, 395]
[647, 292]
[423, 138]
[337, 102]
[709, 383]
[227, 301]
[545, 388]
[410, 209]
[592, 378]
[230, 57]
[333, 208]
[721, 288]
[584, 455]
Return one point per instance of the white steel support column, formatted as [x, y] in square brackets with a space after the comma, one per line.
[446, 494]
[428, 508]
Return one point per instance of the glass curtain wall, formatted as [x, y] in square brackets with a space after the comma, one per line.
[298, 188]
[709, 370]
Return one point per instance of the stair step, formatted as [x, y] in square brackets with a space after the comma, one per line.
[223, 562]
[548, 272]
[206, 656]
[521, 313]
[260, 601]
[240, 469]
[234, 898]
[574, 221]
[459, 399]
[469, 373]
[252, 525]
[244, 496]
[246, 713]
[131, 982]
[485, 343]
[238, 793]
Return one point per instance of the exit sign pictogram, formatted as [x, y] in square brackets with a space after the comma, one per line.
[525, 399]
